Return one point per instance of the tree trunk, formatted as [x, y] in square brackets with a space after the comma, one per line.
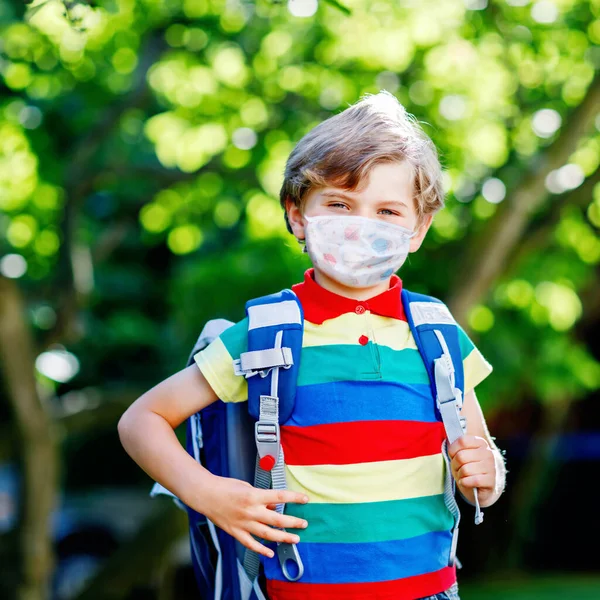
[38, 448]
[486, 259]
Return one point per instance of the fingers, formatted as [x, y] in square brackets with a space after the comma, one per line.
[281, 496]
[471, 469]
[462, 457]
[473, 461]
[482, 458]
[476, 475]
[274, 535]
[247, 540]
[475, 481]
[466, 442]
[283, 521]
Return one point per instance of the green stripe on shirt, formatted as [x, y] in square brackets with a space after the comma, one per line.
[325, 364]
[371, 521]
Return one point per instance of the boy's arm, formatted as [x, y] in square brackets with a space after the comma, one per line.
[146, 430]
[476, 460]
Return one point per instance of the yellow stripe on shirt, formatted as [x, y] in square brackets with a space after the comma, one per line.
[476, 369]
[369, 482]
[216, 365]
[349, 327]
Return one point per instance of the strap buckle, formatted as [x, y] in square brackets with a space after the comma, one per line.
[262, 362]
[444, 383]
[267, 437]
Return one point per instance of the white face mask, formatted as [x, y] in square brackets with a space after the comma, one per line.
[356, 251]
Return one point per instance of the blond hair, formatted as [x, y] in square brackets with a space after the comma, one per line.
[343, 149]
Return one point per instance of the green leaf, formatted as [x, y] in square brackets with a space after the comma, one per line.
[339, 6]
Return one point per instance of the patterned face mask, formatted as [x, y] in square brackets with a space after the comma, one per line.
[356, 251]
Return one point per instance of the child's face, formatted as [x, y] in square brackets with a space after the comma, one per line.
[387, 194]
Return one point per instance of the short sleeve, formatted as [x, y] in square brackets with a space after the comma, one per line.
[216, 363]
[476, 367]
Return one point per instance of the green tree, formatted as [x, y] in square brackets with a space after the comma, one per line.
[142, 147]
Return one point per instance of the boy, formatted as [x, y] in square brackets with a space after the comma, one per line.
[364, 465]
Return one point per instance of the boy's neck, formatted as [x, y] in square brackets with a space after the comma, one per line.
[334, 286]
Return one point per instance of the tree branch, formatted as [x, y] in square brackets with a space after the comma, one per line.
[79, 182]
[537, 239]
[489, 252]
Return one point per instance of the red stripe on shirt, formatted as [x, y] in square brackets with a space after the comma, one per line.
[408, 588]
[360, 442]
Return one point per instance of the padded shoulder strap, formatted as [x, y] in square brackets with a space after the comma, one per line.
[436, 335]
[425, 314]
[268, 315]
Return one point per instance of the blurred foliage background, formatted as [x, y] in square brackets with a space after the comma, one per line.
[142, 147]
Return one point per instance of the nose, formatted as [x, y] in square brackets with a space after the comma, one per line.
[362, 211]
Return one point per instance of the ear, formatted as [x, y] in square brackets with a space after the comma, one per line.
[415, 243]
[295, 219]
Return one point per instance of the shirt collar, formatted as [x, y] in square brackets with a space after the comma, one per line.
[320, 304]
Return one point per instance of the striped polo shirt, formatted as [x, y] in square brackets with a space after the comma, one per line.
[364, 442]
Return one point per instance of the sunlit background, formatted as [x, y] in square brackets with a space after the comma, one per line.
[142, 147]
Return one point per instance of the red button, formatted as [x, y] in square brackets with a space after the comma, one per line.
[360, 309]
[267, 462]
[363, 340]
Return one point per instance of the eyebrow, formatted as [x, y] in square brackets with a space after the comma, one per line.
[347, 197]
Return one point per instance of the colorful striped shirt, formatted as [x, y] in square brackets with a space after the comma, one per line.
[364, 442]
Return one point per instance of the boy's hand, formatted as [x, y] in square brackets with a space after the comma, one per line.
[240, 509]
[473, 466]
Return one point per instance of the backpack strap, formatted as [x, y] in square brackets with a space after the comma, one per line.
[275, 328]
[435, 332]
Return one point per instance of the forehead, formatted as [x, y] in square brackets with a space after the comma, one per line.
[388, 176]
[385, 182]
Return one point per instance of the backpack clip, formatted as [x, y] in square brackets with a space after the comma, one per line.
[289, 552]
[444, 384]
[262, 362]
[266, 433]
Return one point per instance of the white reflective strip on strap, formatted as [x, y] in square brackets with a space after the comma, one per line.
[430, 313]
[196, 431]
[159, 490]
[265, 315]
[219, 567]
[258, 591]
[245, 583]
[260, 360]
[446, 354]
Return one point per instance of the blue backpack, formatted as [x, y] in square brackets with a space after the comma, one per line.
[241, 440]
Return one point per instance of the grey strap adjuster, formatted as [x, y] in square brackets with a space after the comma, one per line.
[267, 437]
[262, 361]
[444, 383]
